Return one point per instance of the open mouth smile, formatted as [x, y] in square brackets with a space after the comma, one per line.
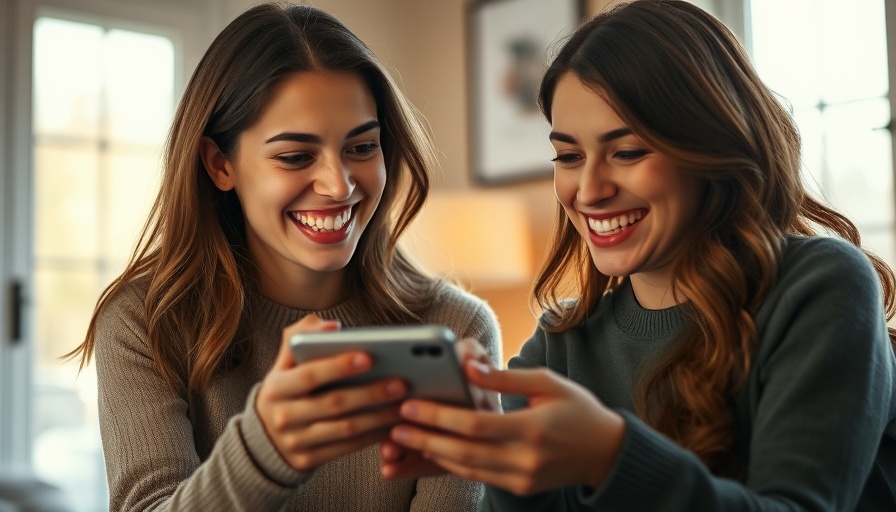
[326, 221]
[616, 224]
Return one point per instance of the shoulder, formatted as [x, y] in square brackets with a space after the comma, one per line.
[824, 253]
[124, 307]
[121, 329]
[467, 315]
[453, 302]
[827, 292]
[816, 263]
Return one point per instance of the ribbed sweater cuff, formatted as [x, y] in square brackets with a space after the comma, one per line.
[262, 450]
[644, 461]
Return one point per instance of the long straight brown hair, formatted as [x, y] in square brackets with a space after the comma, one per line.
[682, 82]
[193, 245]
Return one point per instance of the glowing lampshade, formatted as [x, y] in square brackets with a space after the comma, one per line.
[482, 238]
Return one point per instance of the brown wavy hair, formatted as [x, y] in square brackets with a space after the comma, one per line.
[193, 245]
[683, 83]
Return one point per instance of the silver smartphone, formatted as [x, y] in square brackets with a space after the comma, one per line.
[422, 355]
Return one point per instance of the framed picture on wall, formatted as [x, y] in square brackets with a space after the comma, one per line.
[510, 43]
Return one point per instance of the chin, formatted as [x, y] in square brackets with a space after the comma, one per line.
[329, 266]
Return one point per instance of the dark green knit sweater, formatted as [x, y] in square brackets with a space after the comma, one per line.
[816, 415]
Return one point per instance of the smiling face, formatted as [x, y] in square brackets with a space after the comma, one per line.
[630, 204]
[309, 174]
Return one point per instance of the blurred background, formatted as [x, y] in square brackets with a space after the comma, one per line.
[88, 88]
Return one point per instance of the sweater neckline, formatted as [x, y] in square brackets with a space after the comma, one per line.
[646, 324]
[347, 312]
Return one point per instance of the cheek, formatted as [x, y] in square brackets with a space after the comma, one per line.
[566, 186]
[371, 177]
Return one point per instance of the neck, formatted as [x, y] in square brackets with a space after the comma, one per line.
[307, 291]
[655, 292]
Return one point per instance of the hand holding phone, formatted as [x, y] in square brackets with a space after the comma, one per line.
[309, 428]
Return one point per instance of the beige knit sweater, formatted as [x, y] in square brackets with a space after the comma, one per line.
[169, 451]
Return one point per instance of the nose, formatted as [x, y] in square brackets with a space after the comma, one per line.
[596, 184]
[333, 179]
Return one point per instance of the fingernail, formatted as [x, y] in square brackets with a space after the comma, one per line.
[482, 369]
[395, 388]
[359, 361]
[401, 435]
[409, 410]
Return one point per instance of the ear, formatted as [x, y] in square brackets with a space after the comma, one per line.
[216, 164]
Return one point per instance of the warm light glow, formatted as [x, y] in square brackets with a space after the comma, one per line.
[483, 239]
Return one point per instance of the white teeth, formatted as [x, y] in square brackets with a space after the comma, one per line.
[326, 223]
[614, 225]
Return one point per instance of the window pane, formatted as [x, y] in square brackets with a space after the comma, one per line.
[66, 201]
[858, 158]
[854, 45]
[785, 48]
[67, 77]
[812, 137]
[131, 188]
[819, 50]
[140, 86]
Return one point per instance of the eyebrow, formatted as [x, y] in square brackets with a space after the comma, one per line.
[315, 139]
[607, 137]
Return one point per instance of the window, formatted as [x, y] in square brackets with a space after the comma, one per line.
[88, 92]
[828, 63]
[103, 98]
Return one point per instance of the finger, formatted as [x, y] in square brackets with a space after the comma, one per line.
[391, 452]
[470, 349]
[341, 401]
[316, 373]
[529, 382]
[518, 483]
[485, 400]
[322, 433]
[412, 466]
[284, 358]
[462, 421]
[309, 460]
[437, 446]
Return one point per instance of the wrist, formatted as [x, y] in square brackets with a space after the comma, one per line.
[609, 445]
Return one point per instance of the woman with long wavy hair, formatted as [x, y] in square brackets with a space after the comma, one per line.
[293, 165]
[727, 348]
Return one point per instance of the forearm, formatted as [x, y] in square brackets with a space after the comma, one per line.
[144, 476]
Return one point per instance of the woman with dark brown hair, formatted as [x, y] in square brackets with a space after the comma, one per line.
[727, 348]
[293, 165]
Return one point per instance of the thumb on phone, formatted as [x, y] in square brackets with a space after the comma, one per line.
[469, 349]
[308, 323]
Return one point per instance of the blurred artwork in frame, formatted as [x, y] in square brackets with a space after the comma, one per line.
[510, 43]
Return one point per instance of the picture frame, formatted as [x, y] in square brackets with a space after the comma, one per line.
[510, 43]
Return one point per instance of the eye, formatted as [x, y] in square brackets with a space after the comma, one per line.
[630, 154]
[295, 159]
[566, 158]
[365, 149]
